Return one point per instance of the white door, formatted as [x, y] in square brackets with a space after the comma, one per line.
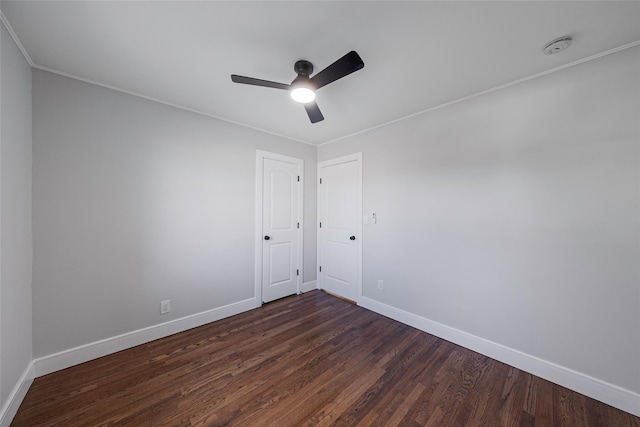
[279, 240]
[340, 226]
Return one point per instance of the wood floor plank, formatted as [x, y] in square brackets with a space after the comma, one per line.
[307, 360]
[544, 403]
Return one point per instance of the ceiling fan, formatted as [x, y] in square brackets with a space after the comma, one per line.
[303, 88]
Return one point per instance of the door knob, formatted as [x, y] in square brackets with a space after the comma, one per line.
[266, 237]
[352, 238]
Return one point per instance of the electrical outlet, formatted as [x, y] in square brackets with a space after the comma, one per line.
[380, 284]
[165, 306]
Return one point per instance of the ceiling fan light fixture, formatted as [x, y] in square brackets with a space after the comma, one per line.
[302, 87]
[303, 94]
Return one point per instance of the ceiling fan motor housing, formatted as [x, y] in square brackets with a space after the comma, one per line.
[303, 67]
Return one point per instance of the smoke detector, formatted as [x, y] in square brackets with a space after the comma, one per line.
[557, 45]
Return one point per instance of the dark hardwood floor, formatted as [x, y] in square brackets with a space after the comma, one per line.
[305, 360]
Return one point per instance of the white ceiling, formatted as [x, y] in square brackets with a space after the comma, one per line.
[417, 55]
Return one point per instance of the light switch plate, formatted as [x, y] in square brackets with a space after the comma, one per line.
[165, 306]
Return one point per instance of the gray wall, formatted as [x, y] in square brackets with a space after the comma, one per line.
[514, 216]
[15, 216]
[137, 202]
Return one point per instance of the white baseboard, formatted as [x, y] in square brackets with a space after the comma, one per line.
[74, 356]
[597, 389]
[10, 408]
[308, 286]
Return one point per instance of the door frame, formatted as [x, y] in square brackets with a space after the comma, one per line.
[355, 157]
[260, 156]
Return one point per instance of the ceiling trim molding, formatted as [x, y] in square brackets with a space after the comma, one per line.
[493, 89]
[167, 103]
[15, 38]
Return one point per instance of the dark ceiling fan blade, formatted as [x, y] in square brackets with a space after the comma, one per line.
[258, 82]
[314, 112]
[344, 66]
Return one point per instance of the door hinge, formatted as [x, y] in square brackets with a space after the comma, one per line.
[320, 269]
[297, 272]
[320, 224]
[298, 225]
[320, 180]
[298, 178]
